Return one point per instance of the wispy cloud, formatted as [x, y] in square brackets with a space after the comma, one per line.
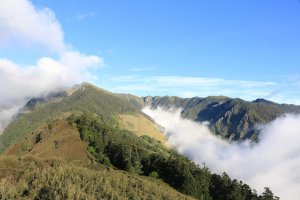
[143, 69]
[126, 78]
[186, 86]
[82, 16]
[191, 81]
[287, 91]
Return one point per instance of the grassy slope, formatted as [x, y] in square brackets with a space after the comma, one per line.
[64, 169]
[62, 141]
[86, 98]
[141, 125]
[34, 178]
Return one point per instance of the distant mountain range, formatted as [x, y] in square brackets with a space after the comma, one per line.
[233, 119]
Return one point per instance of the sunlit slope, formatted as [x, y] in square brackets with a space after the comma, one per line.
[141, 125]
[55, 140]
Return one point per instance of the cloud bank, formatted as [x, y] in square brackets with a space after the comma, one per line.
[282, 91]
[19, 84]
[24, 25]
[274, 162]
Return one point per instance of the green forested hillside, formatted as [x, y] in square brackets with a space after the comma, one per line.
[84, 125]
[40, 166]
[145, 156]
[86, 98]
[234, 119]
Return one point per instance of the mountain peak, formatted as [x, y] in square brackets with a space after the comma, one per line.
[264, 101]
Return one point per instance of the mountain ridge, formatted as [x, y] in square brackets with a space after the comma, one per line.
[86, 98]
[232, 118]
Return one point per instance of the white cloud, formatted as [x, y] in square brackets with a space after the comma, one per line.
[18, 84]
[193, 81]
[186, 86]
[185, 81]
[143, 69]
[82, 16]
[282, 91]
[22, 23]
[6, 114]
[273, 162]
[47, 74]
[126, 78]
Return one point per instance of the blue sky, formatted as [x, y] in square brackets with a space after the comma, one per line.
[247, 49]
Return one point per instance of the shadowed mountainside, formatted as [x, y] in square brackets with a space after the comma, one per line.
[234, 119]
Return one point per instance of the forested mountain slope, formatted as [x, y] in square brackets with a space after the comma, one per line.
[81, 132]
[83, 98]
[234, 119]
[93, 158]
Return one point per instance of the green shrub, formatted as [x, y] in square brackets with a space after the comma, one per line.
[91, 149]
[106, 161]
[50, 126]
[154, 174]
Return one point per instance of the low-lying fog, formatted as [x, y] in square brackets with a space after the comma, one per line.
[274, 162]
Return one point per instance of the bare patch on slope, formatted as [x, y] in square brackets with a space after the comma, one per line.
[140, 125]
[57, 140]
